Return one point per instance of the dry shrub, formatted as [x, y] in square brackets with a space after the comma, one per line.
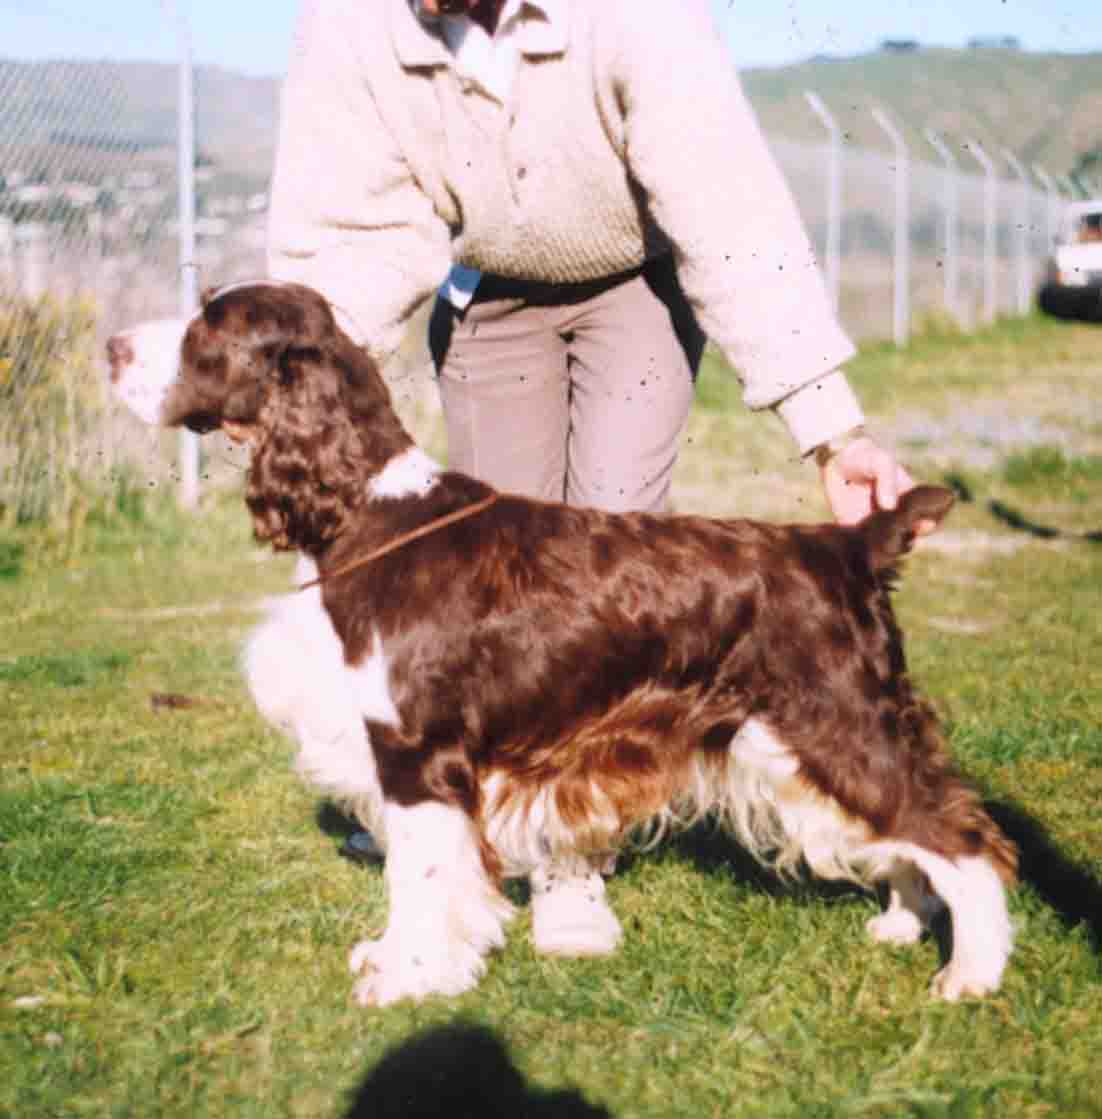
[55, 456]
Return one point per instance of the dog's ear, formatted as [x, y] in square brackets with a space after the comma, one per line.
[889, 534]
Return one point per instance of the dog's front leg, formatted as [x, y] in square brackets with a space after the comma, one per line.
[445, 912]
[570, 916]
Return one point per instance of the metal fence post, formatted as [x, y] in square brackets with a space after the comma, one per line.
[188, 268]
[1071, 187]
[1052, 204]
[951, 201]
[1021, 232]
[834, 197]
[990, 230]
[901, 301]
[32, 259]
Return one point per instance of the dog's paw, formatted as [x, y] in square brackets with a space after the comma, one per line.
[896, 926]
[955, 982]
[570, 917]
[389, 973]
[365, 955]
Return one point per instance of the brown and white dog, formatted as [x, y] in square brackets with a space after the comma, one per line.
[528, 689]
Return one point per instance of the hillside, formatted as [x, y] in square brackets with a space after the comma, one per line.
[63, 118]
[1046, 108]
[91, 119]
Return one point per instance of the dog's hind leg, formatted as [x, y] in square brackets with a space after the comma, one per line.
[911, 906]
[445, 912]
[780, 818]
[982, 934]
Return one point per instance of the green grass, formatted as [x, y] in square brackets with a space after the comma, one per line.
[174, 917]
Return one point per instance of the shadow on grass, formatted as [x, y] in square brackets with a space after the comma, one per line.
[459, 1070]
[1069, 889]
[712, 850]
[357, 845]
[1074, 893]
[1015, 518]
[333, 822]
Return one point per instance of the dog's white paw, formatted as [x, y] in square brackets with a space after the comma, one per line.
[364, 954]
[896, 926]
[955, 982]
[570, 917]
[390, 972]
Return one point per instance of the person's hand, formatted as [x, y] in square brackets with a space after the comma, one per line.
[862, 478]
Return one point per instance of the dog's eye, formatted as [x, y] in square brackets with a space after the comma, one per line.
[286, 368]
[211, 365]
[292, 358]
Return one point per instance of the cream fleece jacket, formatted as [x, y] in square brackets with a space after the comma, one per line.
[625, 134]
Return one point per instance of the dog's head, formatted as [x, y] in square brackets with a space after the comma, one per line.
[216, 370]
[268, 365]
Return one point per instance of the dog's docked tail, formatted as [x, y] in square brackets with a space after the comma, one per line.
[889, 534]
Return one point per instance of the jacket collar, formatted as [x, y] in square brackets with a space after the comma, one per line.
[418, 43]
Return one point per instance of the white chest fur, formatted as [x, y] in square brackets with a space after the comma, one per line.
[295, 668]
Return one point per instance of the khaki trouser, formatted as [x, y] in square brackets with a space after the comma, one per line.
[577, 393]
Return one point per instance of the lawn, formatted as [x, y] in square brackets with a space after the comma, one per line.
[175, 917]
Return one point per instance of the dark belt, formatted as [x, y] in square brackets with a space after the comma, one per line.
[539, 294]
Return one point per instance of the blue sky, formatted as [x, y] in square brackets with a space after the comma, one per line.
[252, 36]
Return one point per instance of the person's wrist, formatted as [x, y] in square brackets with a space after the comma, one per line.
[827, 451]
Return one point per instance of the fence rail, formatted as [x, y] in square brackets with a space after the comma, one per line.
[93, 216]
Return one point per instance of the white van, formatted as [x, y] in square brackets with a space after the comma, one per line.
[1073, 278]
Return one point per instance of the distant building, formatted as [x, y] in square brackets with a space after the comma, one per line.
[32, 194]
[900, 46]
[140, 180]
[79, 194]
[994, 43]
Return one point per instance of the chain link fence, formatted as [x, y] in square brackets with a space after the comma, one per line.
[995, 270]
[89, 243]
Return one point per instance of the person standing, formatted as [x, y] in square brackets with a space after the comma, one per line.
[587, 189]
